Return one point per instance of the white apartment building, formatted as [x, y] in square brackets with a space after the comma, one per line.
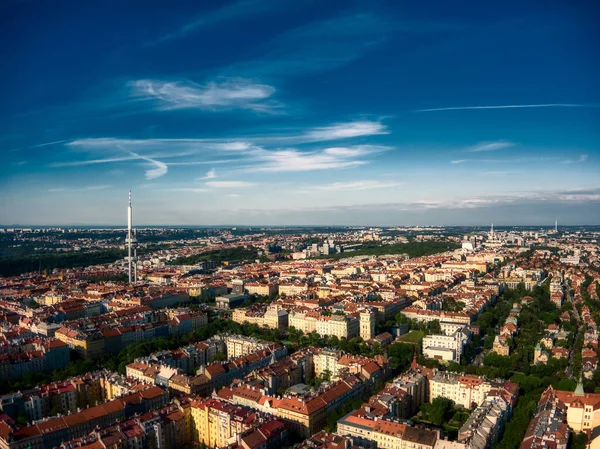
[446, 347]
[368, 324]
[273, 317]
[303, 321]
[341, 326]
[464, 390]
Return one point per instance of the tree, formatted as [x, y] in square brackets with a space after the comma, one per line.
[438, 412]
[22, 418]
[434, 327]
[220, 357]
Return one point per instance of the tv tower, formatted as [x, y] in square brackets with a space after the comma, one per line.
[131, 241]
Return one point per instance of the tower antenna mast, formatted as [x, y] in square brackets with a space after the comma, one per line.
[131, 240]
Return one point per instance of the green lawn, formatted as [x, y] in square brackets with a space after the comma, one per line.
[412, 337]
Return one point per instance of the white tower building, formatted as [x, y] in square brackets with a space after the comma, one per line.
[131, 241]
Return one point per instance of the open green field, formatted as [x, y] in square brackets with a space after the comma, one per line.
[415, 337]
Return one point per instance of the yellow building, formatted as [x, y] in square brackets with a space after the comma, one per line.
[217, 423]
[583, 409]
[262, 289]
[500, 346]
[89, 346]
[273, 317]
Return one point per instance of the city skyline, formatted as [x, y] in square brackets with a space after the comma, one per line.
[251, 113]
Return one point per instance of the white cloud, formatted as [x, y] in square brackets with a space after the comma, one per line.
[347, 130]
[525, 159]
[102, 187]
[229, 184]
[356, 150]
[76, 189]
[94, 161]
[228, 94]
[490, 146]
[211, 174]
[234, 146]
[292, 160]
[56, 142]
[251, 153]
[160, 168]
[357, 185]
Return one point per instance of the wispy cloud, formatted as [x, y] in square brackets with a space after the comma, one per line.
[268, 153]
[79, 188]
[229, 12]
[235, 93]
[56, 142]
[207, 162]
[511, 106]
[356, 185]
[101, 187]
[211, 174]
[229, 184]
[160, 168]
[318, 46]
[527, 159]
[490, 146]
[347, 130]
[292, 160]
[93, 161]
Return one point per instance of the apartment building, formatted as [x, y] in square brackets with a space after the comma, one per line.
[415, 383]
[273, 316]
[464, 390]
[446, 347]
[368, 430]
[261, 289]
[305, 321]
[239, 345]
[439, 315]
[33, 355]
[342, 326]
[292, 288]
[485, 426]
[305, 412]
[548, 427]
[368, 324]
[337, 364]
[582, 409]
[51, 432]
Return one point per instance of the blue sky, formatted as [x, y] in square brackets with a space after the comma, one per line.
[269, 112]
